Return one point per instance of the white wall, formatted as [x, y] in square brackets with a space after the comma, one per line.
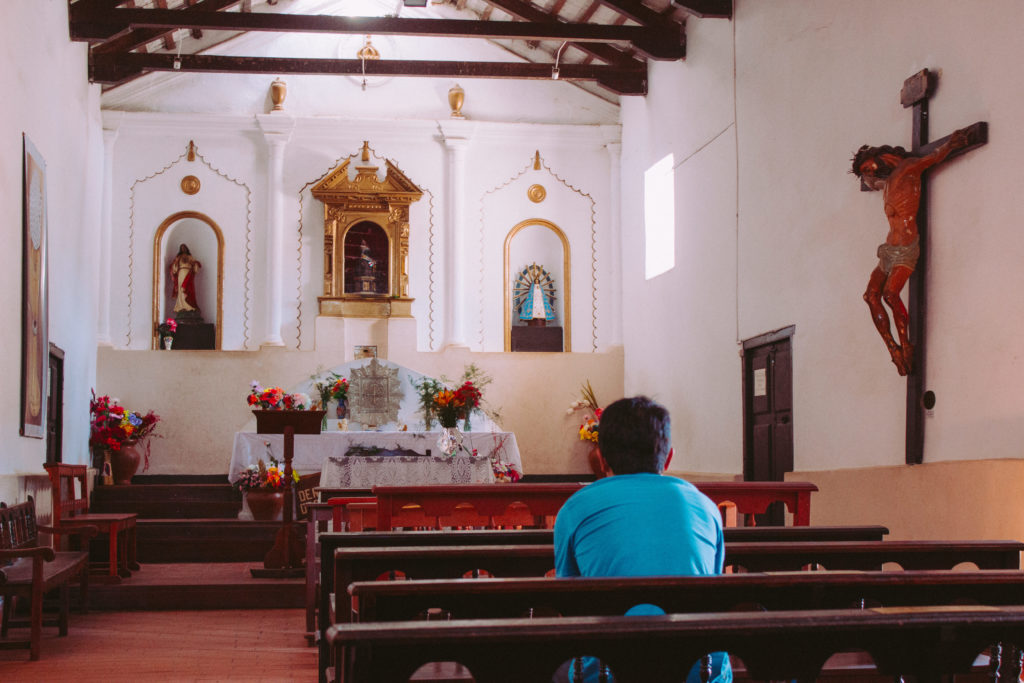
[679, 328]
[769, 204]
[49, 99]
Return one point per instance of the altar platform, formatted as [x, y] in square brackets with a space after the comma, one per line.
[365, 459]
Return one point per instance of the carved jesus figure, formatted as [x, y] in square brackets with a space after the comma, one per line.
[898, 175]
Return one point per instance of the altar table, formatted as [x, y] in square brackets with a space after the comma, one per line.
[329, 454]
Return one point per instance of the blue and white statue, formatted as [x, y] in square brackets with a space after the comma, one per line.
[533, 296]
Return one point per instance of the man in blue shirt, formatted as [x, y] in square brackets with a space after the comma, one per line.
[638, 522]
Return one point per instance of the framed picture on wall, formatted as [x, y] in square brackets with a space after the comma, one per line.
[359, 352]
[34, 340]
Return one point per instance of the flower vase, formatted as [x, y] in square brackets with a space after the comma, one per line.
[265, 504]
[342, 410]
[450, 440]
[125, 462]
[168, 342]
[465, 425]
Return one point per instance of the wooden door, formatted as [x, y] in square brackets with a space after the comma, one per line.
[768, 413]
[55, 406]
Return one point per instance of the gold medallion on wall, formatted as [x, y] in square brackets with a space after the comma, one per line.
[536, 193]
[190, 184]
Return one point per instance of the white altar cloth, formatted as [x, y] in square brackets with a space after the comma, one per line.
[313, 452]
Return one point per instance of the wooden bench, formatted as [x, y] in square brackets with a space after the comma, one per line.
[538, 504]
[872, 555]
[29, 570]
[71, 509]
[537, 597]
[516, 597]
[792, 644]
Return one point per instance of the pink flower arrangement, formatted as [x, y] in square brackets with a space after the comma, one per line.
[275, 398]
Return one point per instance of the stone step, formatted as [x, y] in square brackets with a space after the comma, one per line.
[228, 585]
[169, 501]
[206, 540]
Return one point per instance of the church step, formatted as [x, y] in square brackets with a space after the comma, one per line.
[169, 501]
[190, 586]
[206, 540]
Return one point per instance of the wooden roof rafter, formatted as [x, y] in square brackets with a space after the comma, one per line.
[129, 39]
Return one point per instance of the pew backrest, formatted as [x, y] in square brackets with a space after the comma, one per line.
[773, 645]
[508, 598]
[872, 555]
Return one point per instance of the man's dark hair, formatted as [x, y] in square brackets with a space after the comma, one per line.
[635, 436]
[866, 152]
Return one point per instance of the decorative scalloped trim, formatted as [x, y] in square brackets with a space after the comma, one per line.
[302, 200]
[131, 240]
[483, 242]
[431, 249]
[593, 251]
[593, 245]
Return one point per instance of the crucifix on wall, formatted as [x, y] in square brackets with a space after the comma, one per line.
[903, 256]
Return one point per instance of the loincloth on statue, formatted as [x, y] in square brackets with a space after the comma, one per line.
[892, 255]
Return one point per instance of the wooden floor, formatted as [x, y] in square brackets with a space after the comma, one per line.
[208, 645]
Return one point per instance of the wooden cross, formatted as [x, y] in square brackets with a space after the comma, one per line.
[916, 91]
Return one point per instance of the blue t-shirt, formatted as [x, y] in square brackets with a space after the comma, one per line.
[641, 525]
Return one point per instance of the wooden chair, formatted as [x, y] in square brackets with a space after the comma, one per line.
[71, 509]
[29, 570]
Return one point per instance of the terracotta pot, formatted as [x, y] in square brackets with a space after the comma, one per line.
[265, 505]
[125, 462]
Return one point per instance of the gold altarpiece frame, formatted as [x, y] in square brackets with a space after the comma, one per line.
[377, 213]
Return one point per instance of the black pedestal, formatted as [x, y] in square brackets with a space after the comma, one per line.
[527, 338]
[195, 336]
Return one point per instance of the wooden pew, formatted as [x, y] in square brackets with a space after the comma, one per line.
[323, 569]
[29, 570]
[492, 501]
[793, 644]
[516, 597]
[871, 555]
[513, 598]
[331, 542]
[352, 564]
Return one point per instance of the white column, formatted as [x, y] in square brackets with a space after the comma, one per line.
[276, 133]
[614, 291]
[106, 212]
[455, 244]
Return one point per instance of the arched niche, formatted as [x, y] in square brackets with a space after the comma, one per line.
[206, 242]
[367, 259]
[539, 241]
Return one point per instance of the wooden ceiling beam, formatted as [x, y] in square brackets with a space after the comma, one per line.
[717, 9]
[114, 35]
[465, 28]
[114, 69]
[529, 12]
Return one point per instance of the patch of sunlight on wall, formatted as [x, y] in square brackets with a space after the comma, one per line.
[659, 218]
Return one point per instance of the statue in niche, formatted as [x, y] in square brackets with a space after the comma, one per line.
[366, 260]
[533, 296]
[184, 268]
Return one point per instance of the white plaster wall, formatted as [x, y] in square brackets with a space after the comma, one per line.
[815, 81]
[149, 163]
[200, 396]
[771, 229]
[44, 75]
[679, 328]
